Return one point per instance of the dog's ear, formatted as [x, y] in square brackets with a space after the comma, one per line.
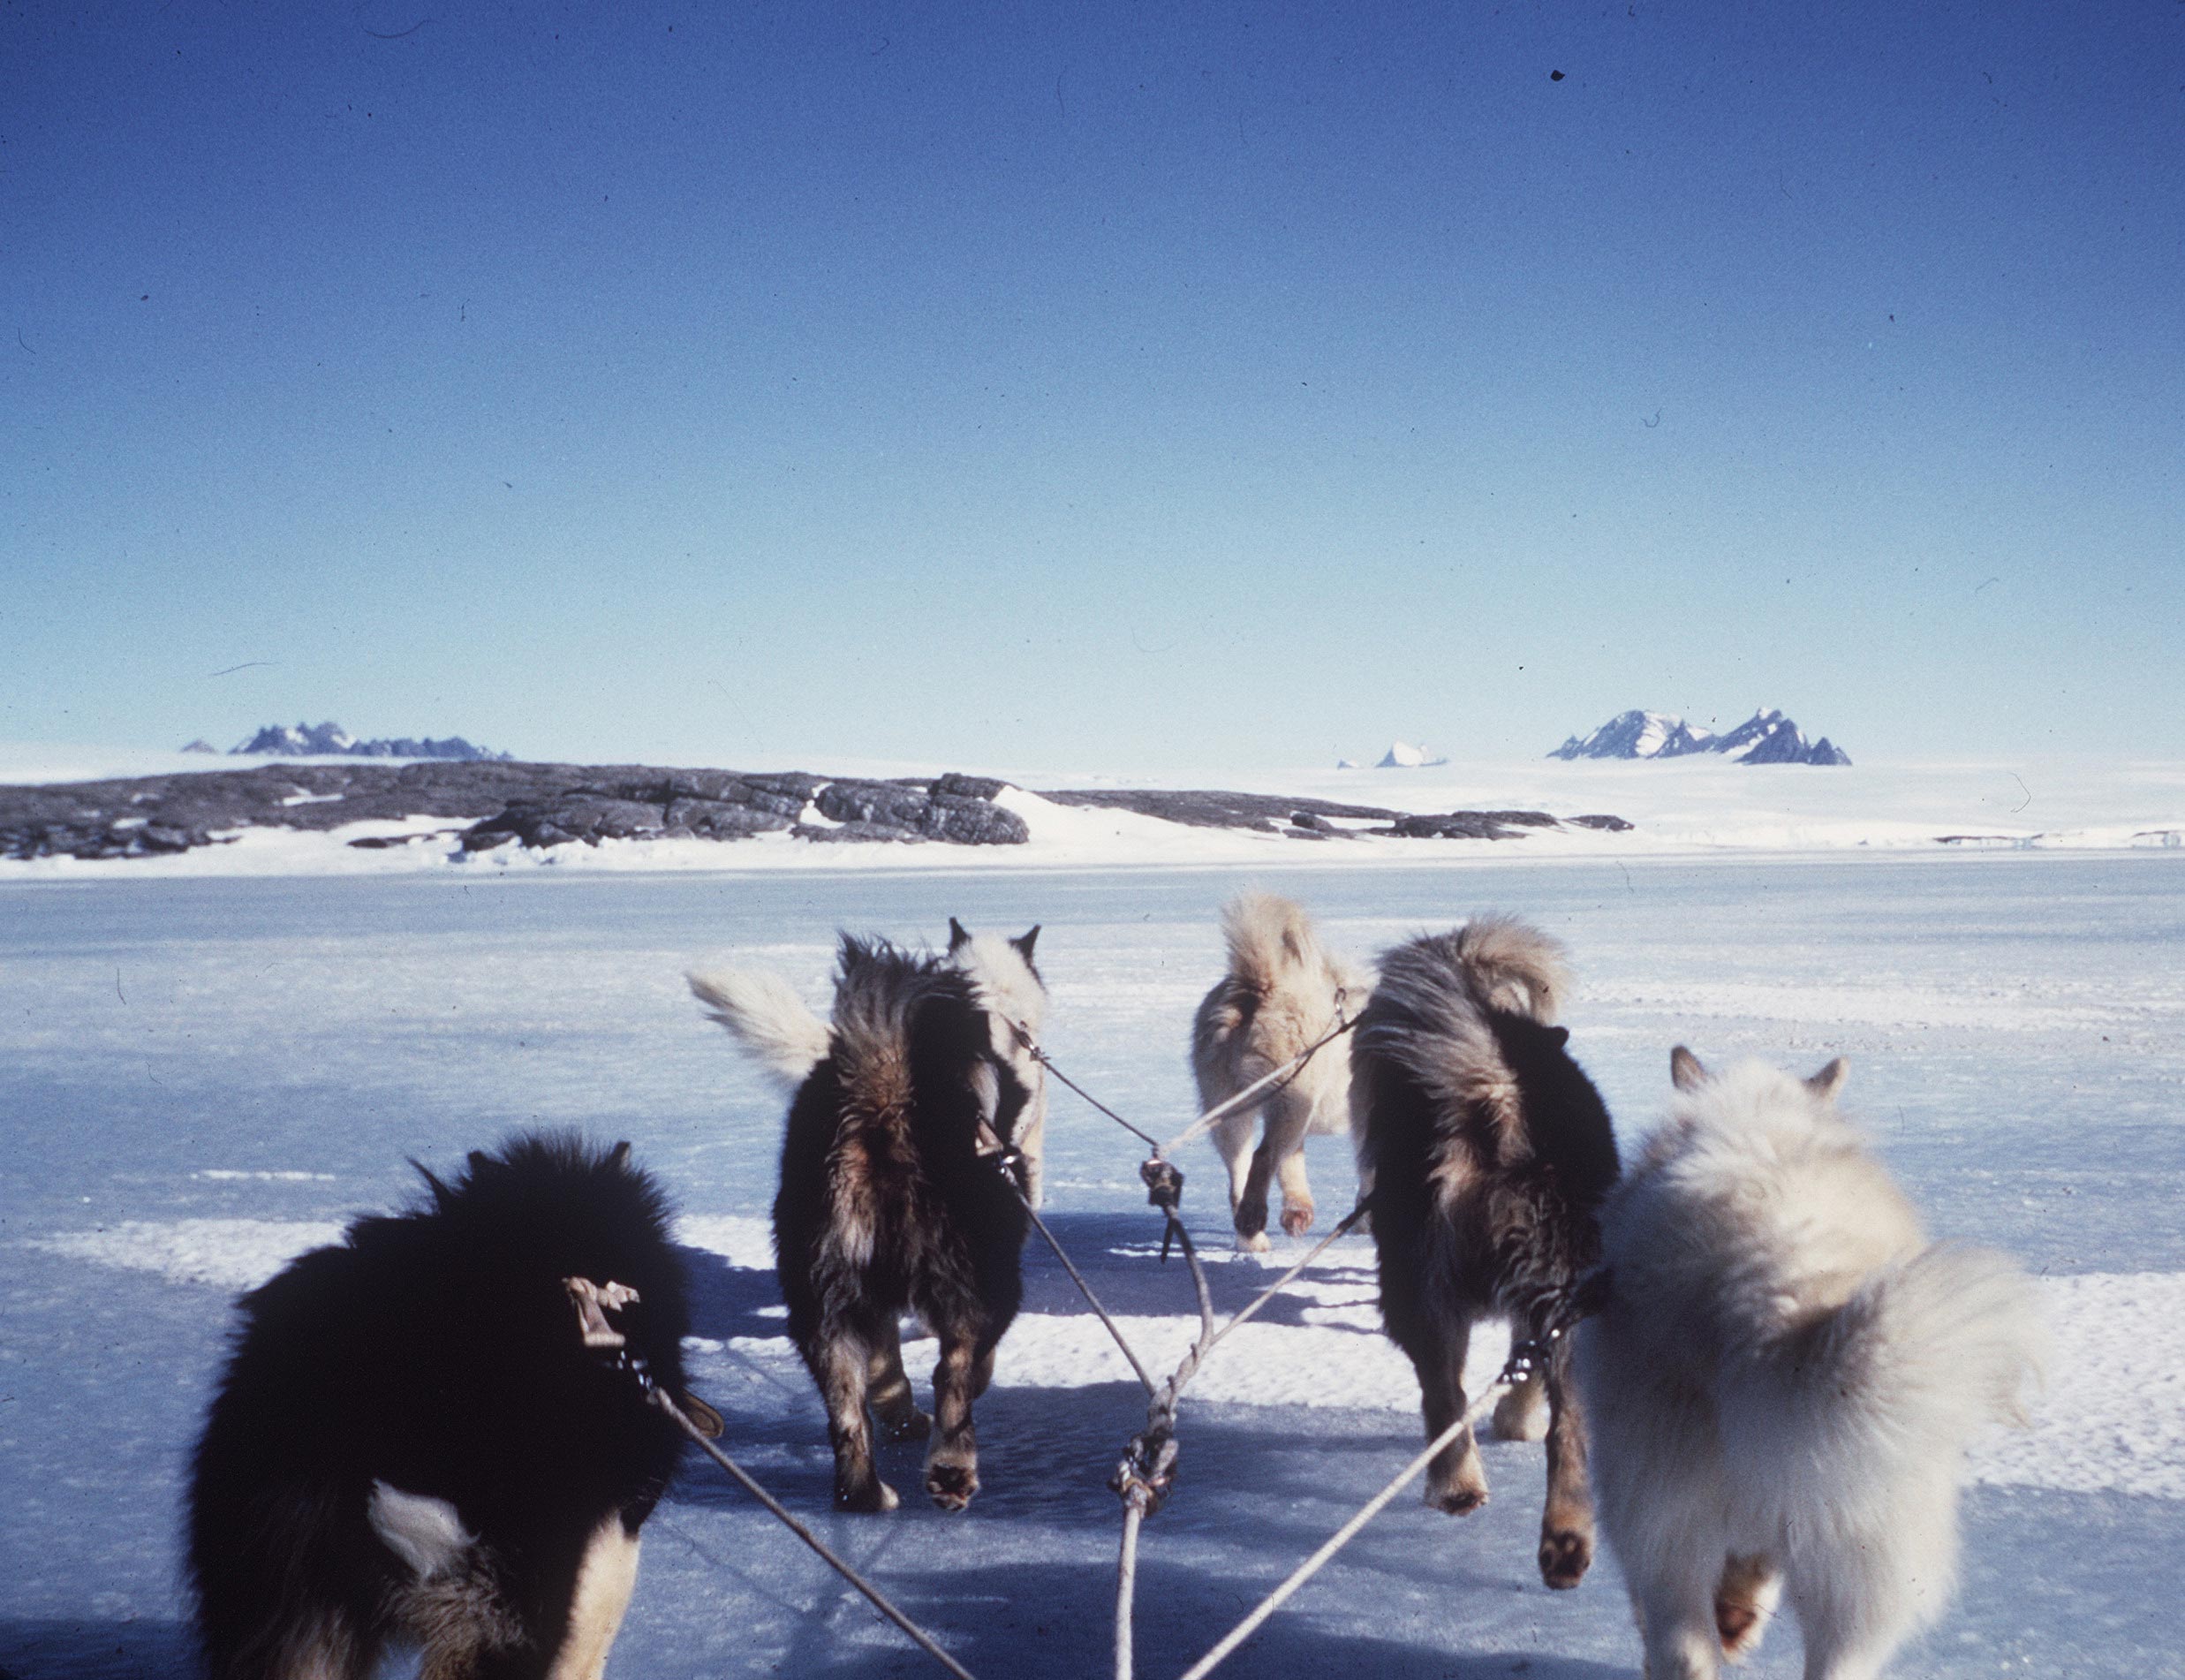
[1558, 1036]
[1829, 1080]
[618, 1157]
[959, 936]
[1024, 944]
[441, 1194]
[1686, 1071]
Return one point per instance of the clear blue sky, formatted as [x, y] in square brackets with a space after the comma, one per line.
[1092, 385]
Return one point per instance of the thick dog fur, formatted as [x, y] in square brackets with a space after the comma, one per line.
[1489, 1151]
[1783, 1378]
[765, 1015]
[888, 1205]
[411, 1444]
[1284, 992]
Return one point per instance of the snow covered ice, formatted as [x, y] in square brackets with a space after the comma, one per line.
[203, 1076]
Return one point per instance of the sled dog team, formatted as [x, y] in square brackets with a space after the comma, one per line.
[436, 1432]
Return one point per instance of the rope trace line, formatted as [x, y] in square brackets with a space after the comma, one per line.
[1524, 1359]
[1146, 1471]
[1084, 1288]
[1280, 1077]
[1273, 1079]
[660, 1397]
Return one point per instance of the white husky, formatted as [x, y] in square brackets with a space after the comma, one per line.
[1284, 992]
[764, 1011]
[1784, 1378]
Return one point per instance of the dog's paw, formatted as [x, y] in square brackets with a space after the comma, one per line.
[951, 1485]
[1460, 1500]
[910, 1425]
[874, 1499]
[1297, 1217]
[1253, 1242]
[1565, 1556]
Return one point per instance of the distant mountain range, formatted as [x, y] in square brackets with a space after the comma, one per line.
[1765, 737]
[331, 740]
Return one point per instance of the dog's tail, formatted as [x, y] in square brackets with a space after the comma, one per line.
[1270, 938]
[1951, 1339]
[1512, 965]
[765, 1013]
[1429, 1008]
[1886, 1391]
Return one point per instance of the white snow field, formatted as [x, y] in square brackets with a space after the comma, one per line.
[201, 1077]
[1696, 807]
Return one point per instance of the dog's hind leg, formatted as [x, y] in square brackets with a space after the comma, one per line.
[887, 1390]
[842, 1364]
[1567, 1524]
[1456, 1482]
[1290, 1116]
[1744, 1599]
[605, 1579]
[1860, 1593]
[1232, 1136]
[1672, 1600]
[1521, 1414]
[952, 1458]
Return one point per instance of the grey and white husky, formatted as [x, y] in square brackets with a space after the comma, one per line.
[1783, 1380]
[1284, 991]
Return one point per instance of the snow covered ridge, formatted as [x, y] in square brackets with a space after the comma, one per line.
[462, 810]
[331, 740]
[1765, 737]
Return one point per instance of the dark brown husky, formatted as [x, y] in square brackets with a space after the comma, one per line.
[891, 1201]
[1489, 1151]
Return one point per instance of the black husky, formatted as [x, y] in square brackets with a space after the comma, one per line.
[1489, 1152]
[411, 1444]
[894, 1199]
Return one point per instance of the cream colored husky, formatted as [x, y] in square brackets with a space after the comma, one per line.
[1284, 992]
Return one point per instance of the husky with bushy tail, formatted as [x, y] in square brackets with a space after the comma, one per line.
[1488, 1150]
[1283, 992]
[764, 1012]
[894, 1199]
[1783, 1380]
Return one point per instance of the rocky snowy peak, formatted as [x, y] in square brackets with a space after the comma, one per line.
[330, 739]
[1769, 738]
[1637, 735]
[1765, 737]
[1401, 755]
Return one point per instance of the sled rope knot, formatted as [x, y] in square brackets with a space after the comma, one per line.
[595, 1302]
[1146, 1471]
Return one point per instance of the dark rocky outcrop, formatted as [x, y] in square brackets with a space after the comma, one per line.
[1200, 808]
[493, 802]
[488, 803]
[1468, 825]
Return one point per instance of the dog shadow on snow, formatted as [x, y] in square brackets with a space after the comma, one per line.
[1120, 1256]
[1025, 1583]
[138, 1649]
